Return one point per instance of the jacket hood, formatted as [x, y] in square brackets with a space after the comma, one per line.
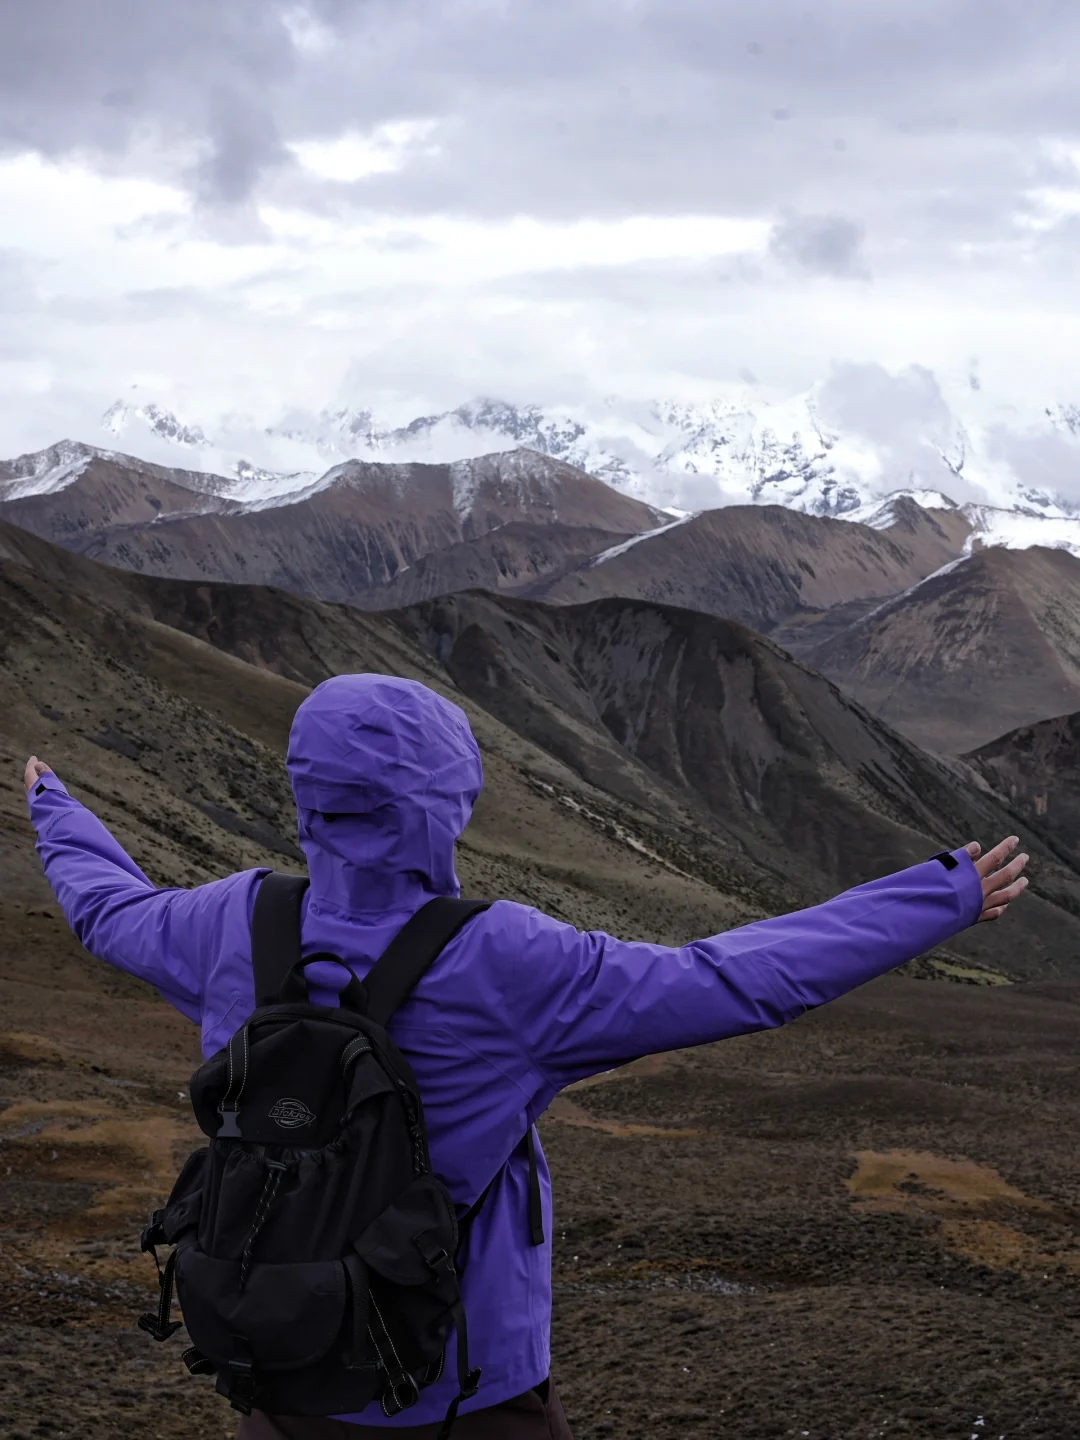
[385, 774]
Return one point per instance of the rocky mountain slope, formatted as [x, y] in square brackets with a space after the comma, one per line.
[766, 565]
[519, 558]
[386, 535]
[986, 646]
[953, 654]
[759, 564]
[356, 526]
[625, 743]
[1038, 769]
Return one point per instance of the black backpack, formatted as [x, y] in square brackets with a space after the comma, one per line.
[314, 1250]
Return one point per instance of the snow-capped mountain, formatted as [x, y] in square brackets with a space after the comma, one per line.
[43, 472]
[1015, 529]
[159, 422]
[848, 442]
[153, 433]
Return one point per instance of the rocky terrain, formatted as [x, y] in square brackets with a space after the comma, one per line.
[1038, 769]
[765, 565]
[970, 654]
[777, 570]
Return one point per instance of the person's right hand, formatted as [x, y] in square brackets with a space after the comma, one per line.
[1002, 882]
[35, 768]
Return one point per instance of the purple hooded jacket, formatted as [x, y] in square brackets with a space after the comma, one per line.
[385, 773]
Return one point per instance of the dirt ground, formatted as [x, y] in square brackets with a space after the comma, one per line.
[863, 1226]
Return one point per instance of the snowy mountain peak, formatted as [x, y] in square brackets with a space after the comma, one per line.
[121, 416]
[840, 448]
[43, 472]
[880, 514]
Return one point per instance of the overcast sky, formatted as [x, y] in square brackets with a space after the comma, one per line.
[244, 205]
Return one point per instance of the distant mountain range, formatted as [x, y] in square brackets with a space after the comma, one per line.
[912, 602]
[358, 526]
[846, 443]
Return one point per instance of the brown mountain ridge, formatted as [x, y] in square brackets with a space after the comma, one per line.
[685, 741]
[357, 526]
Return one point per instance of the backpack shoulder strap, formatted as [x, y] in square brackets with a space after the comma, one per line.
[412, 952]
[275, 933]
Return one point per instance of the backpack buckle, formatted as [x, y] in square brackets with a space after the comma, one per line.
[472, 1384]
[230, 1127]
[434, 1254]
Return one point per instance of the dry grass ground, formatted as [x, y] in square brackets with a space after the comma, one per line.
[863, 1226]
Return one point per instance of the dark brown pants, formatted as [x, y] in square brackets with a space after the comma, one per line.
[536, 1415]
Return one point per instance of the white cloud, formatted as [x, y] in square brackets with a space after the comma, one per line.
[352, 156]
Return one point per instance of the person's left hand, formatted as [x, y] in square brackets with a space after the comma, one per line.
[35, 768]
[1001, 878]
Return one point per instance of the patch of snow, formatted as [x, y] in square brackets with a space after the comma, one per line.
[1018, 531]
[258, 489]
[905, 594]
[514, 474]
[121, 416]
[465, 486]
[880, 514]
[626, 545]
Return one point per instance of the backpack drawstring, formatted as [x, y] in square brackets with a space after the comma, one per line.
[275, 1169]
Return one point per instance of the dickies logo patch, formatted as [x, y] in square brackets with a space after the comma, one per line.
[291, 1114]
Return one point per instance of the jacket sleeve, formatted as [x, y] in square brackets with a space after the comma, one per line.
[587, 1002]
[162, 936]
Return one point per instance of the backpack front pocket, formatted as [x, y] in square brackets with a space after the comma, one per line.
[286, 1316]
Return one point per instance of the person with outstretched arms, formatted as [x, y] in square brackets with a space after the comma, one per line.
[515, 1007]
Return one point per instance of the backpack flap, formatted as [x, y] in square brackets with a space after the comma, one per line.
[282, 1078]
[404, 1243]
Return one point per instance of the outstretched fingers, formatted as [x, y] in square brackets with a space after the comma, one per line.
[995, 904]
[1003, 881]
[996, 858]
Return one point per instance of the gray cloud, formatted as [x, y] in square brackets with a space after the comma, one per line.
[567, 108]
[821, 245]
[109, 77]
[903, 138]
[886, 408]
